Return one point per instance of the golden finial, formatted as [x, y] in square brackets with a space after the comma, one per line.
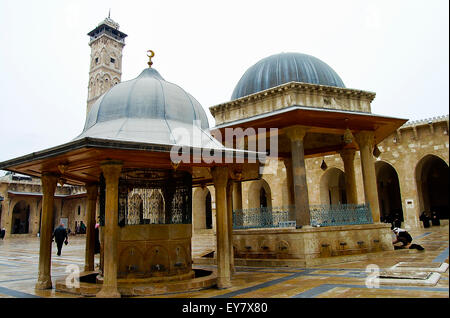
[152, 54]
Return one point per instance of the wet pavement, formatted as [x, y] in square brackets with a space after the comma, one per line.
[19, 258]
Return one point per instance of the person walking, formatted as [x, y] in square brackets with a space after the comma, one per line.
[60, 236]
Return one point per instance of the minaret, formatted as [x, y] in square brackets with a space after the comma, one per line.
[106, 42]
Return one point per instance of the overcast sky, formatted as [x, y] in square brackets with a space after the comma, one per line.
[398, 49]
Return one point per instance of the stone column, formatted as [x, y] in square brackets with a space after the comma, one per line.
[48, 181]
[348, 157]
[365, 140]
[92, 192]
[220, 179]
[296, 135]
[290, 188]
[237, 198]
[230, 222]
[111, 172]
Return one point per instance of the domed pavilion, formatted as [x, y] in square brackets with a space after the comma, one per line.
[145, 145]
[315, 116]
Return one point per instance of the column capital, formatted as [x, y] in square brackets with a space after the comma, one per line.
[365, 138]
[296, 133]
[220, 176]
[92, 191]
[49, 181]
[111, 169]
[347, 153]
[235, 174]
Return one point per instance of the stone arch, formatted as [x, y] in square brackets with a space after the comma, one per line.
[107, 81]
[256, 192]
[104, 56]
[91, 86]
[115, 64]
[332, 187]
[21, 218]
[389, 194]
[432, 185]
[97, 85]
[115, 81]
[202, 208]
[131, 261]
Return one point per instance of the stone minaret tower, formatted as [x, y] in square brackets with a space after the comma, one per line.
[106, 44]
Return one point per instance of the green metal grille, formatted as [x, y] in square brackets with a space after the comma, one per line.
[340, 214]
[320, 215]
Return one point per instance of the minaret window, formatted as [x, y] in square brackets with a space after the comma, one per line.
[96, 60]
[113, 60]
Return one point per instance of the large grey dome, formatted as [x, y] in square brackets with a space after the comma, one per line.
[147, 109]
[283, 68]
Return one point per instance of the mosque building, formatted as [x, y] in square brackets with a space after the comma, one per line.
[331, 184]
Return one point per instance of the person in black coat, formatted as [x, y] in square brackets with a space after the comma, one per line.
[60, 235]
[402, 236]
[425, 220]
[435, 219]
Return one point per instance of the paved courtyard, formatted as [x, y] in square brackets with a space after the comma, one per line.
[19, 265]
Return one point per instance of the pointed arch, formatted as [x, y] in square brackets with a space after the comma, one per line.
[389, 194]
[332, 187]
[202, 208]
[259, 194]
[431, 175]
[21, 218]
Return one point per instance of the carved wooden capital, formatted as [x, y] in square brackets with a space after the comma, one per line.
[365, 138]
[92, 191]
[49, 181]
[296, 133]
[220, 176]
[111, 170]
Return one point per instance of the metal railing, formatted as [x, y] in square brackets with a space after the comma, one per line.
[260, 217]
[320, 215]
[340, 214]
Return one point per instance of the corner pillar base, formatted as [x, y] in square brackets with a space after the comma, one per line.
[44, 284]
[108, 292]
[223, 283]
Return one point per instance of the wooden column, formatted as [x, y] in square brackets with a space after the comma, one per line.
[348, 157]
[92, 193]
[111, 172]
[48, 181]
[296, 135]
[220, 180]
[365, 140]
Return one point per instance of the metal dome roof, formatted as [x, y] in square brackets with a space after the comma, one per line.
[147, 109]
[283, 68]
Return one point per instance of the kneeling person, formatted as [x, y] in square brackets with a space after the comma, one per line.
[402, 236]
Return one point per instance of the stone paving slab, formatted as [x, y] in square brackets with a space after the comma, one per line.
[19, 266]
[429, 267]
